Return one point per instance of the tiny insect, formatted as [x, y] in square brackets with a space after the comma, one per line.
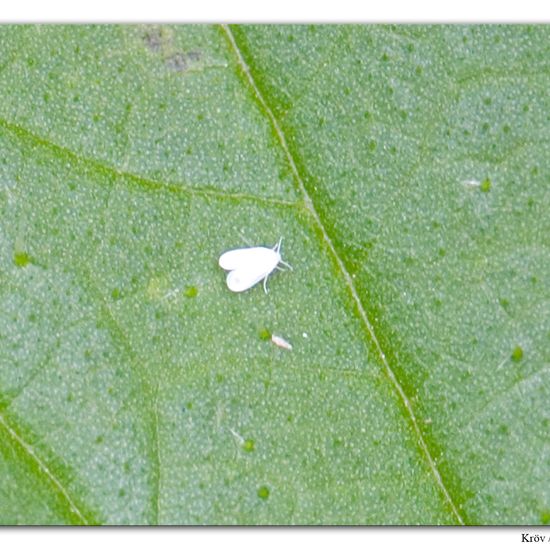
[281, 342]
[248, 266]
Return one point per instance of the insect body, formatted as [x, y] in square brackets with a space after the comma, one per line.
[281, 342]
[248, 266]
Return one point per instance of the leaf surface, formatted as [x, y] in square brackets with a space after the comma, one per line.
[405, 167]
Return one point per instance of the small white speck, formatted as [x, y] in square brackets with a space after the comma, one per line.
[280, 342]
[171, 294]
[237, 436]
[304, 334]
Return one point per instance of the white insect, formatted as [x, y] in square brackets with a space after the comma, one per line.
[281, 342]
[248, 266]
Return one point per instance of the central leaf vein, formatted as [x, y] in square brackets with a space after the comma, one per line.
[346, 275]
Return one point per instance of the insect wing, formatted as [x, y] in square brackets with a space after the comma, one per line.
[240, 257]
[246, 277]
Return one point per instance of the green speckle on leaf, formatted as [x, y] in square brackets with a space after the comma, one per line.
[21, 259]
[545, 517]
[485, 185]
[191, 292]
[265, 334]
[263, 492]
[517, 354]
[248, 445]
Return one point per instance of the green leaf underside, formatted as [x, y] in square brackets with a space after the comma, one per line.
[406, 169]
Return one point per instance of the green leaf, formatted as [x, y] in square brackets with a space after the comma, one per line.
[406, 168]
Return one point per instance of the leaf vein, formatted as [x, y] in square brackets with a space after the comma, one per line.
[135, 179]
[346, 275]
[150, 389]
[43, 467]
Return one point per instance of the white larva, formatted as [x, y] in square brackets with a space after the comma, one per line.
[248, 266]
[281, 342]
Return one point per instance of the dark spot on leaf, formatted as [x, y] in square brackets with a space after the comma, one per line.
[194, 56]
[177, 62]
[503, 429]
[153, 39]
[182, 61]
